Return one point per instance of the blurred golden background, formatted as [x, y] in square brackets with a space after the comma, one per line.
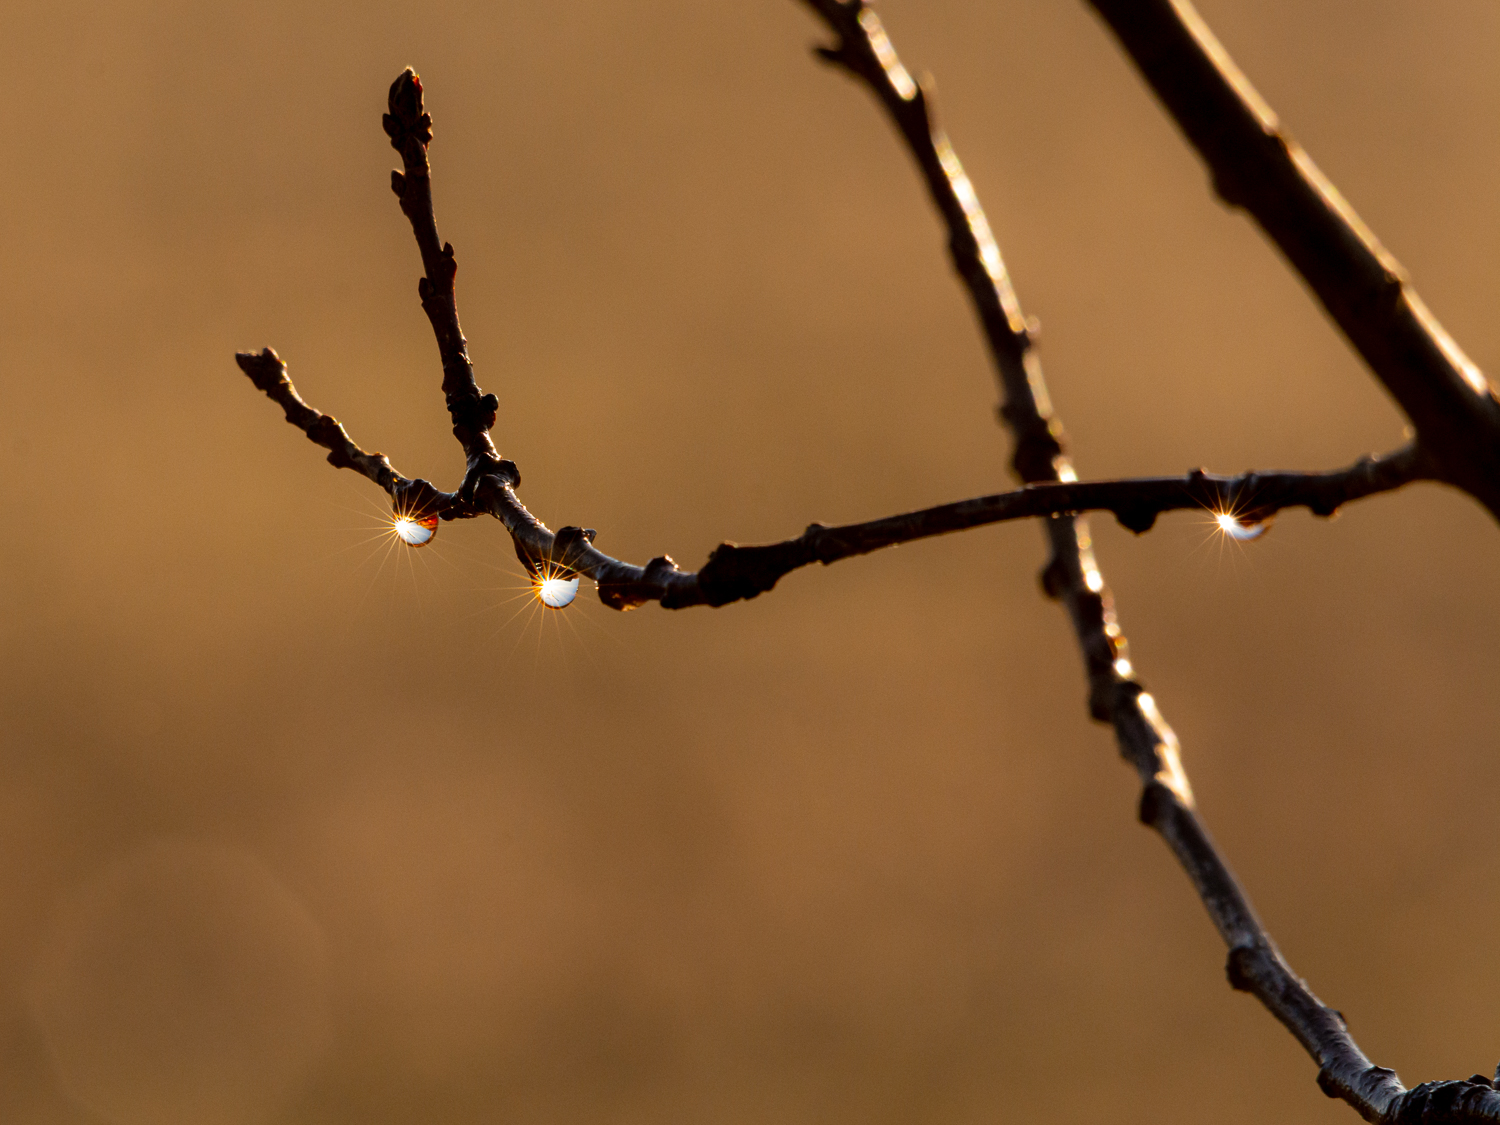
[294, 832]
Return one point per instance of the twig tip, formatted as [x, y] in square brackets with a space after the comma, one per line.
[406, 119]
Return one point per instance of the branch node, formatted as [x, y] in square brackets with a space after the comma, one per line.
[1156, 799]
[1054, 578]
[659, 567]
[1326, 1084]
[483, 467]
[734, 573]
[1102, 696]
[264, 368]
[1439, 1103]
[1137, 519]
[1239, 976]
[418, 499]
[472, 414]
[1038, 444]
[825, 548]
[569, 543]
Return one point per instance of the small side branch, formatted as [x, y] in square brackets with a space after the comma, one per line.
[268, 373]
[473, 412]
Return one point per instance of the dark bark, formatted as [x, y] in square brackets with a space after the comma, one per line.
[268, 373]
[473, 412]
[735, 573]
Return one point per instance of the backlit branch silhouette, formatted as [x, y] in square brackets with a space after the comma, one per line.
[1454, 415]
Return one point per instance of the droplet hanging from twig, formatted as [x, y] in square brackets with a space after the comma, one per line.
[1235, 529]
[414, 531]
[556, 592]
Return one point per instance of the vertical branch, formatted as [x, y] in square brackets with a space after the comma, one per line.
[1072, 576]
[864, 49]
[472, 411]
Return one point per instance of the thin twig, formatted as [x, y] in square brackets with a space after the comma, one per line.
[864, 49]
[473, 412]
[1245, 503]
[268, 373]
[733, 572]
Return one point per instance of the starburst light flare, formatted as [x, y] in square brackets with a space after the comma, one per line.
[556, 592]
[1244, 532]
[414, 532]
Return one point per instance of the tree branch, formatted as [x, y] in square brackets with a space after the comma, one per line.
[734, 573]
[863, 48]
[472, 411]
[1255, 165]
[268, 373]
[1247, 501]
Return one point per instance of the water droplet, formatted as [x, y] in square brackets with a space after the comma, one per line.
[1241, 531]
[554, 593]
[415, 532]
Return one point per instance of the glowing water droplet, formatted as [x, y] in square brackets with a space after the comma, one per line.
[554, 593]
[415, 532]
[1241, 531]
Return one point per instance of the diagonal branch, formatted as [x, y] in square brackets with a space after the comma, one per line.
[268, 373]
[863, 48]
[1255, 165]
[865, 51]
